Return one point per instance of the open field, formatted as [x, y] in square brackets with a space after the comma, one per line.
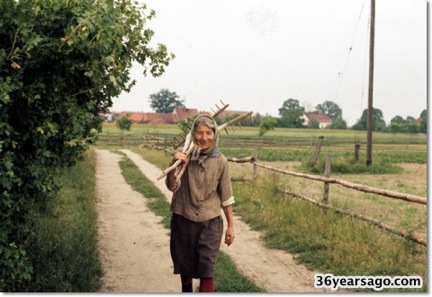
[279, 136]
[283, 144]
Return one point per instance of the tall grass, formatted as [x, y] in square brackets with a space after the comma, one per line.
[324, 240]
[228, 278]
[63, 245]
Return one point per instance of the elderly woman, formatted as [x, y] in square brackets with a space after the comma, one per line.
[196, 223]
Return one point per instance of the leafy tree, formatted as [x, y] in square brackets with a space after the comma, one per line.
[338, 123]
[333, 112]
[396, 127]
[423, 122]
[290, 114]
[400, 125]
[165, 101]
[61, 64]
[411, 127]
[124, 123]
[378, 123]
[397, 119]
[330, 109]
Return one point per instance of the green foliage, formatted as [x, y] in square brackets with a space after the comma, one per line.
[140, 183]
[378, 123]
[164, 101]
[338, 124]
[186, 125]
[401, 125]
[61, 63]
[229, 279]
[346, 165]
[313, 124]
[124, 123]
[291, 113]
[266, 125]
[330, 109]
[423, 122]
[16, 269]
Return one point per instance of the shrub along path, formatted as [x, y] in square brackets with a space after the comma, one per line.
[135, 247]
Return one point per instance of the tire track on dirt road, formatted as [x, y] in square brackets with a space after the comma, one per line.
[133, 245]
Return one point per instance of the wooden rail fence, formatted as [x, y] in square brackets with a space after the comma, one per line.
[418, 238]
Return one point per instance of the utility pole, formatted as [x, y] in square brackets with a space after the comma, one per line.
[370, 90]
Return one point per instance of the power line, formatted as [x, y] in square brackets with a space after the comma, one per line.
[341, 74]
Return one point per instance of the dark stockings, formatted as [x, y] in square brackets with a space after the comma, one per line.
[186, 283]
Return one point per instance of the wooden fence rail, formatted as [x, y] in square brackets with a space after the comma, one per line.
[358, 187]
[324, 203]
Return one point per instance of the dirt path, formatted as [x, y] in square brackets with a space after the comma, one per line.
[135, 248]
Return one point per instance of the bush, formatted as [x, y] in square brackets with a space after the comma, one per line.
[61, 63]
[343, 165]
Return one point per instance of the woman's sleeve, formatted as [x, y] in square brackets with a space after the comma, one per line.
[225, 188]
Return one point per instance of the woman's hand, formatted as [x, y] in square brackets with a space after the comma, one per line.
[180, 156]
[171, 181]
[229, 236]
[229, 233]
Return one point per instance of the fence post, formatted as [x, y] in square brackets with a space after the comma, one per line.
[317, 151]
[326, 184]
[356, 151]
[255, 167]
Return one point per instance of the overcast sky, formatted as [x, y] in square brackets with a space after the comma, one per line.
[255, 54]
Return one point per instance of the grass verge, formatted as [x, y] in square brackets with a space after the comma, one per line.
[63, 244]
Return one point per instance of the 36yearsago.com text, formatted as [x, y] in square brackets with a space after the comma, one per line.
[377, 283]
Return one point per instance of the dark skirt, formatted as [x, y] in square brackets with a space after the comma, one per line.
[195, 245]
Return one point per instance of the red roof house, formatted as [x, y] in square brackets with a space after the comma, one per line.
[321, 118]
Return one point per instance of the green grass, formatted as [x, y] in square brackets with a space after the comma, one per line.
[227, 277]
[324, 240]
[63, 245]
[141, 184]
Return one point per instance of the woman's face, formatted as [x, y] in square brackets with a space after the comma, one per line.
[204, 136]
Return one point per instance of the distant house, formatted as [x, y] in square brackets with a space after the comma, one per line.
[182, 113]
[323, 120]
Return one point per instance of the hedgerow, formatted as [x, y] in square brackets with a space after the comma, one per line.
[61, 63]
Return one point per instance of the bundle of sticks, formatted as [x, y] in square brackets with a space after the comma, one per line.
[189, 144]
